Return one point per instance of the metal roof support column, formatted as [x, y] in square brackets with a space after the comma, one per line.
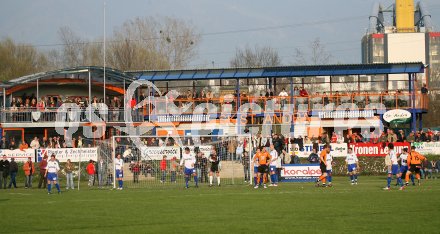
[90, 96]
[292, 108]
[238, 117]
[4, 98]
[38, 91]
[413, 102]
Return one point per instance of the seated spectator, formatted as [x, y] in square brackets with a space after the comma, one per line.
[410, 138]
[23, 145]
[35, 143]
[313, 157]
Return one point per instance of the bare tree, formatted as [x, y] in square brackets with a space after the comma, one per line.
[73, 46]
[148, 43]
[256, 57]
[318, 54]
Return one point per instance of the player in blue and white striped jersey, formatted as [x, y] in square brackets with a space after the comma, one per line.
[352, 163]
[189, 160]
[52, 174]
[119, 171]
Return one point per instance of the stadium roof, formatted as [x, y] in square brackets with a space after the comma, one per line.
[112, 75]
[286, 71]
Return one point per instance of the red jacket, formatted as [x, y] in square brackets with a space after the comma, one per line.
[90, 169]
[163, 165]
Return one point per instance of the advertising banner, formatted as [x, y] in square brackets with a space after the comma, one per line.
[338, 150]
[157, 152]
[376, 150]
[427, 147]
[300, 172]
[74, 154]
[18, 155]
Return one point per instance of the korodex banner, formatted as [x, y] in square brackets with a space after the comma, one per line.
[18, 155]
[427, 147]
[300, 172]
[376, 150]
[74, 154]
[157, 152]
[338, 150]
[205, 149]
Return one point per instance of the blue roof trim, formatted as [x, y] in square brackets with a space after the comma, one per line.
[291, 71]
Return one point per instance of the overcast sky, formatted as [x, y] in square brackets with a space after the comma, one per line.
[340, 24]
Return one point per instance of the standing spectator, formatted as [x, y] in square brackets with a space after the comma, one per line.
[42, 165]
[101, 169]
[239, 150]
[2, 168]
[13, 169]
[35, 143]
[424, 90]
[174, 166]
[283, 96]
[437, 168]
[91, 172]
[245, 162]
[4, 165]
[68, 169]
[163, 168]
[204, 169]
[232, 145]
[324, 138]
[279, 166]
[313, 157]
[277, 143]
[427, 165]
[401, 136]
[136, 169]
[29, 171]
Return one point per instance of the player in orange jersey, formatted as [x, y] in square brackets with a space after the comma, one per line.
[414, 161]
[324, 160]
[263, 166]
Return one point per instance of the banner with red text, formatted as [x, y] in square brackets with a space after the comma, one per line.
[376, 150]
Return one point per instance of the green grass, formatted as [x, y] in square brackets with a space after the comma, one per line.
[289, 208]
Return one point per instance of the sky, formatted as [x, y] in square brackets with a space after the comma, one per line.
[225, 25]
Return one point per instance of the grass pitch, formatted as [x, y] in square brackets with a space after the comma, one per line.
[289, 208]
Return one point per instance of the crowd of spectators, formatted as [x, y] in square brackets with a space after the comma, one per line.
[44, 143]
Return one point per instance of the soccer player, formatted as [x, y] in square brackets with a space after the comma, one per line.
[189, 160]
[119, 166]
[324, 158]
[404, 165]
[273, 166]
[214, 160]
[263, 161]
[391, 161]
[352, 164]
[52, 173]
[414, 164]
[255, 162]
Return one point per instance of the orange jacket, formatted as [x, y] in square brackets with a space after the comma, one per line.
[27, 168]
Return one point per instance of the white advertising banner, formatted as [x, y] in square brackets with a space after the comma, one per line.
[74, 154]
[300, 173]
[157, 152]
[18, 155]
[427, 147]
[338, 150]
[205, 149]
